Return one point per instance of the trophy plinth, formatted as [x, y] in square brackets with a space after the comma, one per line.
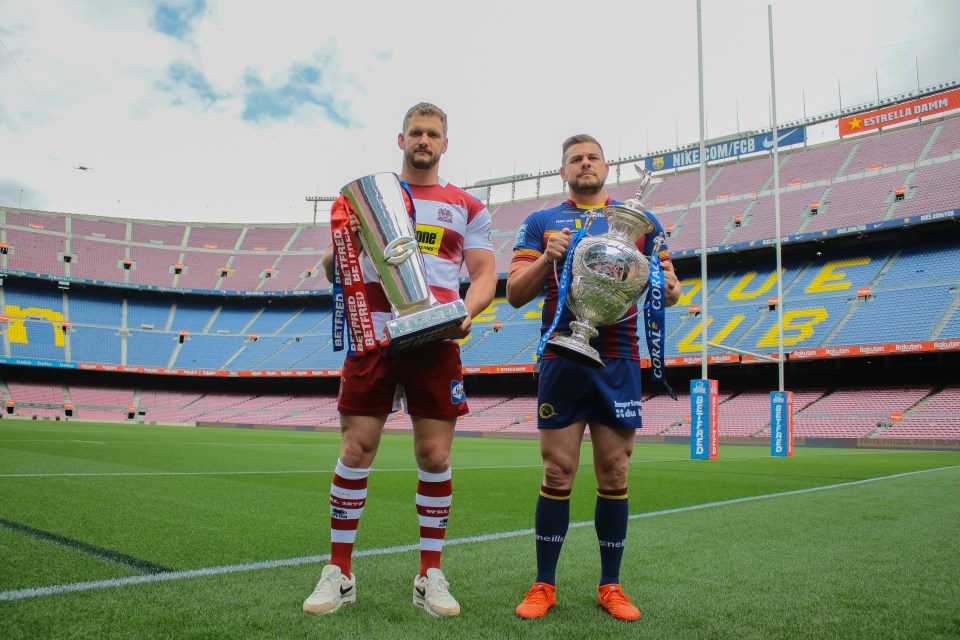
[576, 346]
[389, 239]
[408, 332]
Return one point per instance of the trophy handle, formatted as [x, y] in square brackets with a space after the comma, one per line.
[591, 217]
[639, 307]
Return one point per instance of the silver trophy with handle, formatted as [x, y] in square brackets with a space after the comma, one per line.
[389, 238]
[608, 276]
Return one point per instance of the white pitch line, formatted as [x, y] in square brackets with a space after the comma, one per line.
[23, 594]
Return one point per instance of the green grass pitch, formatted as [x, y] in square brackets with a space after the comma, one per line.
[122, 531]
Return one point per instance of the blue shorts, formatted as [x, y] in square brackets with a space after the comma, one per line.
[569, 393]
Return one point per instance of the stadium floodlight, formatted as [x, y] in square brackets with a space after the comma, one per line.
[315, 200]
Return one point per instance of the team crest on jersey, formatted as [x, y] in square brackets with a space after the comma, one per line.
[445, 215]
[457, 394]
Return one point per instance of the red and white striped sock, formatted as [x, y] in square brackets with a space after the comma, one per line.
[348, 495]
[434, 495]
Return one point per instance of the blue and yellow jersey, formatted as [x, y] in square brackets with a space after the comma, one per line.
[615, 340]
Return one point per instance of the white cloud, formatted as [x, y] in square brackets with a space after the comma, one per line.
[161, 118]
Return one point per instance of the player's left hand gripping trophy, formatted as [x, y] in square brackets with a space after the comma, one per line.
[608, 276]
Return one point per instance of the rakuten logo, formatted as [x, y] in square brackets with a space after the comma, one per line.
[912, 346]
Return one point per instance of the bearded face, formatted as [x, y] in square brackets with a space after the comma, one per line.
[423, 142]
[584, 169]
[587, 183]
[421, 157]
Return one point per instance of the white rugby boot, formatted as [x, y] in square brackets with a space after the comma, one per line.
[432, 593]
[332, 591]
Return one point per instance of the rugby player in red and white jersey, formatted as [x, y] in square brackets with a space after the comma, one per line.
[452, 229]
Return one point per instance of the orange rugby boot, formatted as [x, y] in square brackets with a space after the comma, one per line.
[615, 602]
[537, 601]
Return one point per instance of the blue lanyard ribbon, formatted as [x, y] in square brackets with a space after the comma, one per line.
[563, 286]
[654, 321]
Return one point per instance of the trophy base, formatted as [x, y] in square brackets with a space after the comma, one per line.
[575, 351]
[419, 329]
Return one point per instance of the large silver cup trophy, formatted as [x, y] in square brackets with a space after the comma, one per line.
[389, 238]
[608, 276]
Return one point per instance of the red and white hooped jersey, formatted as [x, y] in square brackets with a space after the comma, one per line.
[448, 221]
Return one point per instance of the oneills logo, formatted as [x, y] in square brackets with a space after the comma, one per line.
[547, 411]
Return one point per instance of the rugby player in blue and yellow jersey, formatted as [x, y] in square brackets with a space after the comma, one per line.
[572, 397]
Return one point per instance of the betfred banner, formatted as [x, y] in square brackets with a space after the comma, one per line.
[781, 423]
[903, 112]
[704, 420]
[727, 149]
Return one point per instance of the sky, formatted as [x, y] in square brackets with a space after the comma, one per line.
[234, 111]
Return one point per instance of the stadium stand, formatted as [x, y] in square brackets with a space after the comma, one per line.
[151, 266]
[854, 412]
[168, 234]
[888, 149]
[845, 286]
[933, 418]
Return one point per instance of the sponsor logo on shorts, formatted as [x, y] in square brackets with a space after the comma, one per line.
[627, 409]
[546, 411]
[457, 394]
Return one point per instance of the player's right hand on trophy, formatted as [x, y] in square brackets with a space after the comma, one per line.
[557, 245]
[458, 332]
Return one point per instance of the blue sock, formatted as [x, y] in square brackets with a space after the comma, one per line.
[611, 517]
[551, 522]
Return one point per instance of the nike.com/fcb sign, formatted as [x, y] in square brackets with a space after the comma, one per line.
[728, 149]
